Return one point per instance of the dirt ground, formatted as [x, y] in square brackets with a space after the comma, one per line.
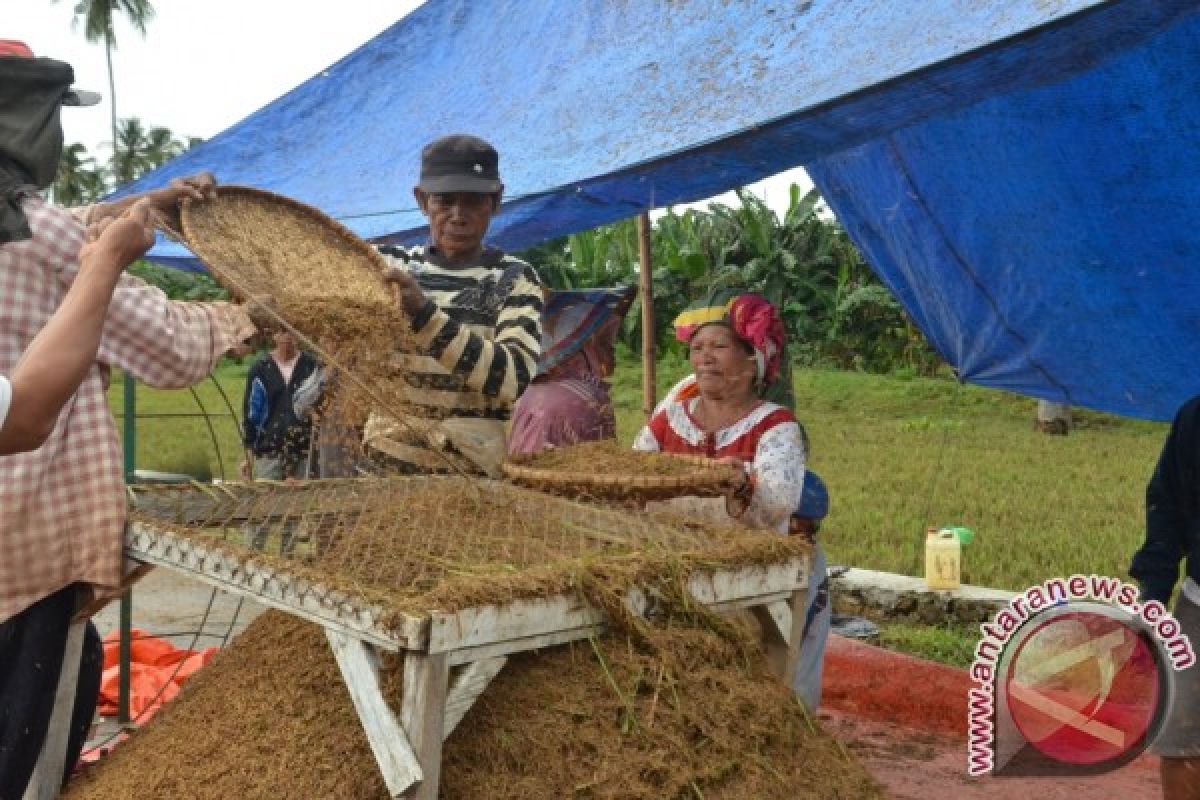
[913, 765]
[170, 605]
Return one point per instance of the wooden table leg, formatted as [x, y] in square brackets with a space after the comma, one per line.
[408, 749]
[466, 688]
[782, 624]
[390, 745]
[423, 715]
[46, 781]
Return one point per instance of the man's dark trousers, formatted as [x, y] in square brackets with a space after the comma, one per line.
[31, 657]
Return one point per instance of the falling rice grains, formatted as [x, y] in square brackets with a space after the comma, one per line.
[325, 282]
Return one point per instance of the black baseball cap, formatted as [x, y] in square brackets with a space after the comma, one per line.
[11, 48]
[460, 163]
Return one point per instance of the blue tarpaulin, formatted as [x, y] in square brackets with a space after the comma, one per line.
[1047, 240]
[1018, 172]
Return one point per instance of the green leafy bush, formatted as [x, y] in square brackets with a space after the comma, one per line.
[836, 311]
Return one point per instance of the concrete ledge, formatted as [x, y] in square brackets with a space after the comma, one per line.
[903, 597]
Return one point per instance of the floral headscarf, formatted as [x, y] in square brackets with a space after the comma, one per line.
[573, 320]
[751, 317]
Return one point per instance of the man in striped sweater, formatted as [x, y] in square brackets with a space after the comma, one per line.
[476, 316]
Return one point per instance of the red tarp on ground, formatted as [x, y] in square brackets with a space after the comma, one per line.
[157, 670]
[895, 687]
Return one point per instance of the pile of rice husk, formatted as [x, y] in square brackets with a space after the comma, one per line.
[678, 707]
[412, 545]
[691, 716]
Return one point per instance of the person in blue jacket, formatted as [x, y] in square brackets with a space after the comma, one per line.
[806, 522]
[276, 440]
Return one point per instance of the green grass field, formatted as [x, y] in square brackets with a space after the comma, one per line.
[898, 455]
[901, 455]
[205, 443]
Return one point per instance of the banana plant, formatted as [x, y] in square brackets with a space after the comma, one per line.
[836, 311]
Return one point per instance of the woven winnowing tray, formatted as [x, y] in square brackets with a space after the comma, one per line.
[697, 476]
[257, 242]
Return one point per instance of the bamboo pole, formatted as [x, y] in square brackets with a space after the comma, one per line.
[125, 647]
[646, 281]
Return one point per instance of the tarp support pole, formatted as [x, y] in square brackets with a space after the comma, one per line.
[646, 287]
[125, 648]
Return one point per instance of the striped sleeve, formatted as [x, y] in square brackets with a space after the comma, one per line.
[499, 368]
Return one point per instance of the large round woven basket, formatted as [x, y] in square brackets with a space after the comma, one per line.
[325, 284]
[706, 478]
[260, 243]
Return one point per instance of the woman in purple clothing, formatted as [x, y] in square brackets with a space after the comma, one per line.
[568, 402]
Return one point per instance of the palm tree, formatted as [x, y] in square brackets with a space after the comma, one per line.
[162, 146]
[98, 18]
[79, 180]
[129, 145]
[139, 150]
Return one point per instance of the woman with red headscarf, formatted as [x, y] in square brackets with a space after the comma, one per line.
[736, 345]
[735, 349]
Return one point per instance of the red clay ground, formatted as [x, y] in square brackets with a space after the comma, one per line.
[905, 719]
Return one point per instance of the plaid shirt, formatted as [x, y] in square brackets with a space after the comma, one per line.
[62, 506]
